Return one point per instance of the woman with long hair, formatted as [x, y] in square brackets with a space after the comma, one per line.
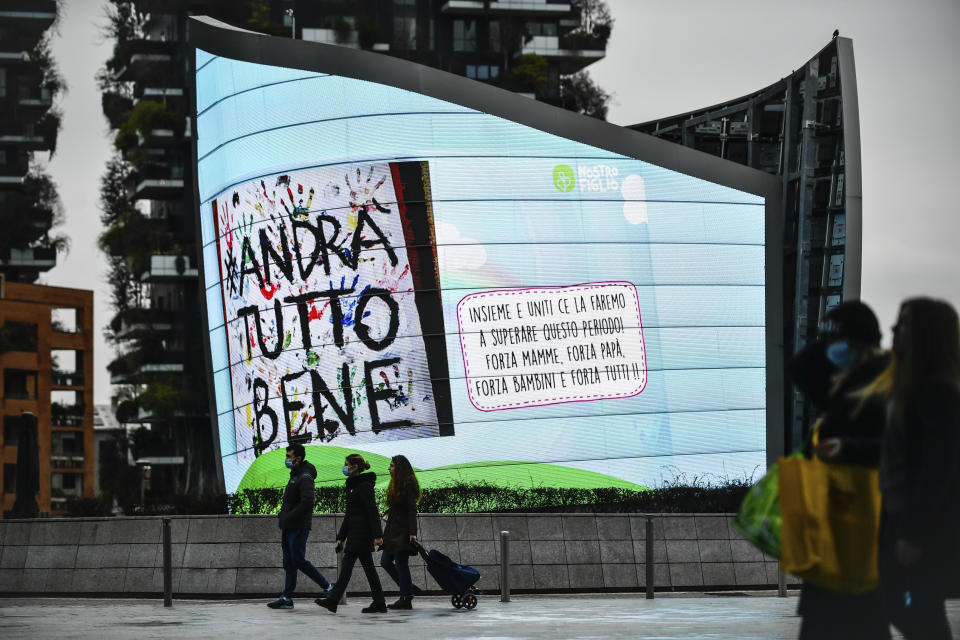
[920, 469]
[403, 494]
[361, 531]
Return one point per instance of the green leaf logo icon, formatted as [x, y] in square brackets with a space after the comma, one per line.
[563, 178]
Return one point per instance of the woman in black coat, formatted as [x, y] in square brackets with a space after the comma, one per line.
[920, 470]
[403, 494]
[361, 530]
[831, 371]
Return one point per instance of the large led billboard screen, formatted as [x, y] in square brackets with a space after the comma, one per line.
[401, 261]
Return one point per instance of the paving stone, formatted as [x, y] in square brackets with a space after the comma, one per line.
[616, 551]
[474, 527]
[519, 551]
[682, 551]
[743, 551]
[521, 576]
[711, 527]
[13, 557]
[434, 528]
[548, 552]
[585, 576]
[474, 552]
[545, 527]
[259, 529]
[516, 525]
[659, 551]
[579, 527]
[613, 527]
[619, 576]
[686, 574]
[679, 528]
[582, 551]
[51, 557]
[259, 580]
[715, 551]
[203, 530]
[750, 573]
[718, 573]
[139, 580]
[98, 580]
[59, 581]
[145, 555]
[638, 527]
[550, 576]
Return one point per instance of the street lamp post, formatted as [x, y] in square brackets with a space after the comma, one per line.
[293, 23]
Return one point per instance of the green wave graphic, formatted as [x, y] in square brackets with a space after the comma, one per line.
[268, 471]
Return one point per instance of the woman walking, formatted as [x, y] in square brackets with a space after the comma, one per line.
[361, 530]
[920, 469]
[403, 494]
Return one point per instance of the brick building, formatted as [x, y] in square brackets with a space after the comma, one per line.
[46, 367]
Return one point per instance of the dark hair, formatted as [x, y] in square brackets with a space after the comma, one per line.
[404, 481]
[298, 451]
[357, 459]
[927, 346]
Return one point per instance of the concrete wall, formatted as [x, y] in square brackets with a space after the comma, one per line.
[240, 555]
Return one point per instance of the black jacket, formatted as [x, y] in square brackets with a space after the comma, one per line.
[401, 524]
[857, 423]
[361, 522]
[297, 509]
[920, 469]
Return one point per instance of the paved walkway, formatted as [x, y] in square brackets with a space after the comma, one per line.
[744, 617]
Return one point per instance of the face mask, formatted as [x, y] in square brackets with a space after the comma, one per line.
[346, 470]
[289, 463]
[841, 354]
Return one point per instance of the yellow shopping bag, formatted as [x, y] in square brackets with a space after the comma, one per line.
[831, 521]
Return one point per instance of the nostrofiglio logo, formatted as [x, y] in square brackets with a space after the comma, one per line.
[564, 178]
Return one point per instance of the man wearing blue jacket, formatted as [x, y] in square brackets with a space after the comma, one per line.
[294, 520]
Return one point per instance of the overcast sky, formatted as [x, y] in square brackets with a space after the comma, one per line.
[667, 57]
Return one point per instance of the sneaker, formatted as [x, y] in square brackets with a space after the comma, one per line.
[403, 603]
[327, 604]
[375, 607]
[281, 603]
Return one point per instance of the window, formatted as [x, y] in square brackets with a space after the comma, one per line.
[464, 35]
[483, 72]
[433, 42]
[494, 35]
[66, 484]
[11, 430]
[542, 28]
[3, 82]
[472, 71]
[3, 156]
[19, 384]
[9, 478]
[405, 33]
[18, 336]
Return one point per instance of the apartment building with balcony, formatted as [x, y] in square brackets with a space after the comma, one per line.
[29, 123]
[46, 368]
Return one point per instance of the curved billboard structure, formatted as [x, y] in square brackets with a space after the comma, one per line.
[804, 129]
[398, 260]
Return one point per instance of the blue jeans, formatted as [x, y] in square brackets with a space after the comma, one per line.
[398, 567]
[294, 543]
[346, 570]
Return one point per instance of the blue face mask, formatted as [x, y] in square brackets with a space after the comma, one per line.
[841, 354]
[346, 470]
[289, 463]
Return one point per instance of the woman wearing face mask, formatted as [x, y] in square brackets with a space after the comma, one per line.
[361, 530]
[920, 470]
[832, 372]
[403, 494]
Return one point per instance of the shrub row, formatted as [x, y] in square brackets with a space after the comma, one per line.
[460, 498]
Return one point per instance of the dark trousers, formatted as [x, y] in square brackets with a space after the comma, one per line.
[829, 615]
[398, 566]
[346, 570]
[294, 543]
[912, 597]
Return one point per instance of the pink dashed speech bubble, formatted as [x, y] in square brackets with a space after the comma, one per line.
[550, 345]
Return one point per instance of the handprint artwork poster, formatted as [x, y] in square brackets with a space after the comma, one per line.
[332, 307]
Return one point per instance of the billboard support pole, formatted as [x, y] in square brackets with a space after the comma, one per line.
[649, 557]
[504, 566]
[167, 565]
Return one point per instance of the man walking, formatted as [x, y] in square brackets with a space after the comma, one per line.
[295, 516]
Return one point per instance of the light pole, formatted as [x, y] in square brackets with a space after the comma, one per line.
[293, 23]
